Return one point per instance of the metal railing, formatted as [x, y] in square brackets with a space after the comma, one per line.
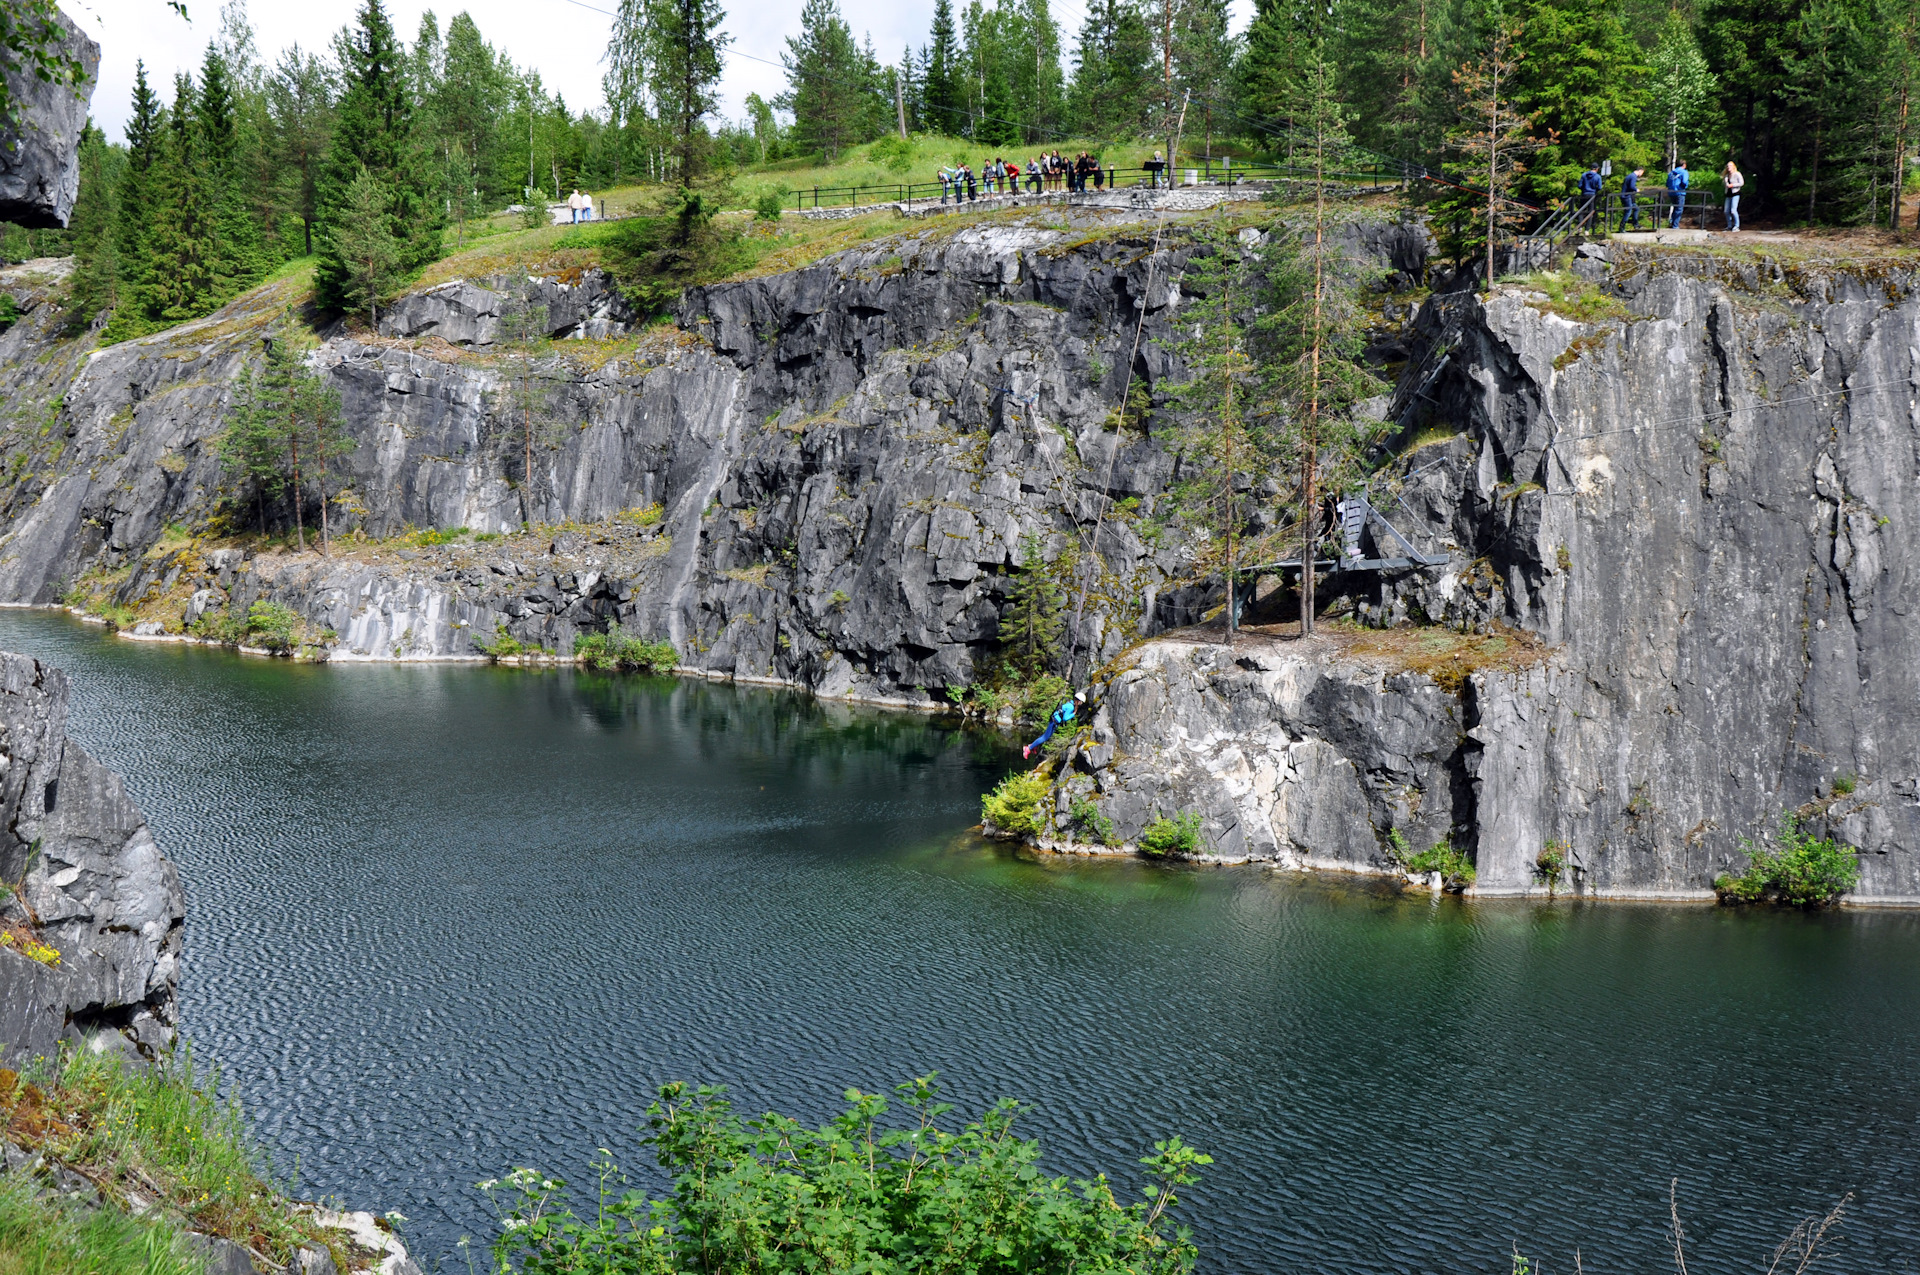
[1375, 176]
[1652, 209]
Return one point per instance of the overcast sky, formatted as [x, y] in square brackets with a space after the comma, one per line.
[563, 39]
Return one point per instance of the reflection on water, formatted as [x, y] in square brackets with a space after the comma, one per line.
[444, 920]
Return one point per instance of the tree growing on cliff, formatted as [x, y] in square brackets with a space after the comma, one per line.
[284, 432]
[360, 241]
[1030, 628]
[526, 397]
[1486, 151]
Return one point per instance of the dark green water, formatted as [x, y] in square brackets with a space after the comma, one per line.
[447, 920]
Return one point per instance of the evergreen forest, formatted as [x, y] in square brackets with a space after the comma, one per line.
[369, 157]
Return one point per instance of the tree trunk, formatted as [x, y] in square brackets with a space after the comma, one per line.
[325, 530]
[299, 518]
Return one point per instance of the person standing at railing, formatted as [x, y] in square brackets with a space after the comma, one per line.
[1734, 179]
[1153, 167]
[1093, 162]
[1033, 176]
[1678, 180]
[1630, 198]
[1590, 186]
[972, 188]
[946, 180]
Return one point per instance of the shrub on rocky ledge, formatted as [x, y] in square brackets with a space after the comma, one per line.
[771, 1195]
[1802, 870]
[615, 650]
[1178, 835]
[1014, 804]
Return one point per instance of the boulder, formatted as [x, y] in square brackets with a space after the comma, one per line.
[40, 151]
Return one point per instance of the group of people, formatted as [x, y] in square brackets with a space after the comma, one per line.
[1046, 172]
[581, 206]
[1593, 185]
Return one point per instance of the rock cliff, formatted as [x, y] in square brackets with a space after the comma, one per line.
[40, 150]
[83, 877]
[1699, 491]
[1681, 479]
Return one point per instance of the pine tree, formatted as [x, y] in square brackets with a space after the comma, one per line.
[373, 132]
[300, 96]
[830, 91]
[1031, 626]
[1487, 150]
[1112, 80]
[1320, 324]
[1205, 54]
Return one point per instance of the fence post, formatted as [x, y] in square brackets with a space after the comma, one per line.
[816, 196]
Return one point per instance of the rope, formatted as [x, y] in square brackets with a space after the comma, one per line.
[1126, 393]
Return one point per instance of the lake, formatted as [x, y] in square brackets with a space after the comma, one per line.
[444, 920]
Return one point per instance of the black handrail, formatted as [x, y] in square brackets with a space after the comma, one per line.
[1376, 176]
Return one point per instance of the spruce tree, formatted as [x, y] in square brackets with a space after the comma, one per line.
[1112, 79]
[373, 134]
[360, 239]
[131, 227]
[96, 270]
[300, 95]
[683, 42]
[236, 260]
[178, 281]
[1583, 79]
[942, 92]
[1031, 626]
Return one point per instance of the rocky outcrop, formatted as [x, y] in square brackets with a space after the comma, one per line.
[82, 876]
[581, 305]
[1699, 495]
[837, 466]
[40, 150]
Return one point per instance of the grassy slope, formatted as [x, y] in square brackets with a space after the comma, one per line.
[166, 1156]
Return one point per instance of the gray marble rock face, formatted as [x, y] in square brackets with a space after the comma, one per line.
[85, 874]
[40, 151]
[1703, 504]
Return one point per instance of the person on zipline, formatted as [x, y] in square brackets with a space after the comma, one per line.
[1061, 716]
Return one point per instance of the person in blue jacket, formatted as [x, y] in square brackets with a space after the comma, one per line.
[1590, 186]
[1061, 716]
[1678, 179]
[1630, 199]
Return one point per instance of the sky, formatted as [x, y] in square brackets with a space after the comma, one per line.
[563, 39]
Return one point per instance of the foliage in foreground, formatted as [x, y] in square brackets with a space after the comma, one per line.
[40, 1237]
[159, 1131]
[656, 258]
[617, 651]
[1802, 870]
[771, 1195]
[1014, 804]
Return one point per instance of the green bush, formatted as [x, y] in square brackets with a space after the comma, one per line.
[1551, 864]
[271, 625]
[1455, 869]
[1014, 804]
[768, 206]
[503, 644]
[1178, 835]
[617, 651]
[221, 626]
[772, 1195]
[1041, 696]
[1086, 816]
[1801, 871]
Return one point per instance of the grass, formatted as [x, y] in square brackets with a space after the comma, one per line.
[1455, 869]
[159, 1135]
[1445, 655]
[39, 1237]
[615, 651]
[1571, 297]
